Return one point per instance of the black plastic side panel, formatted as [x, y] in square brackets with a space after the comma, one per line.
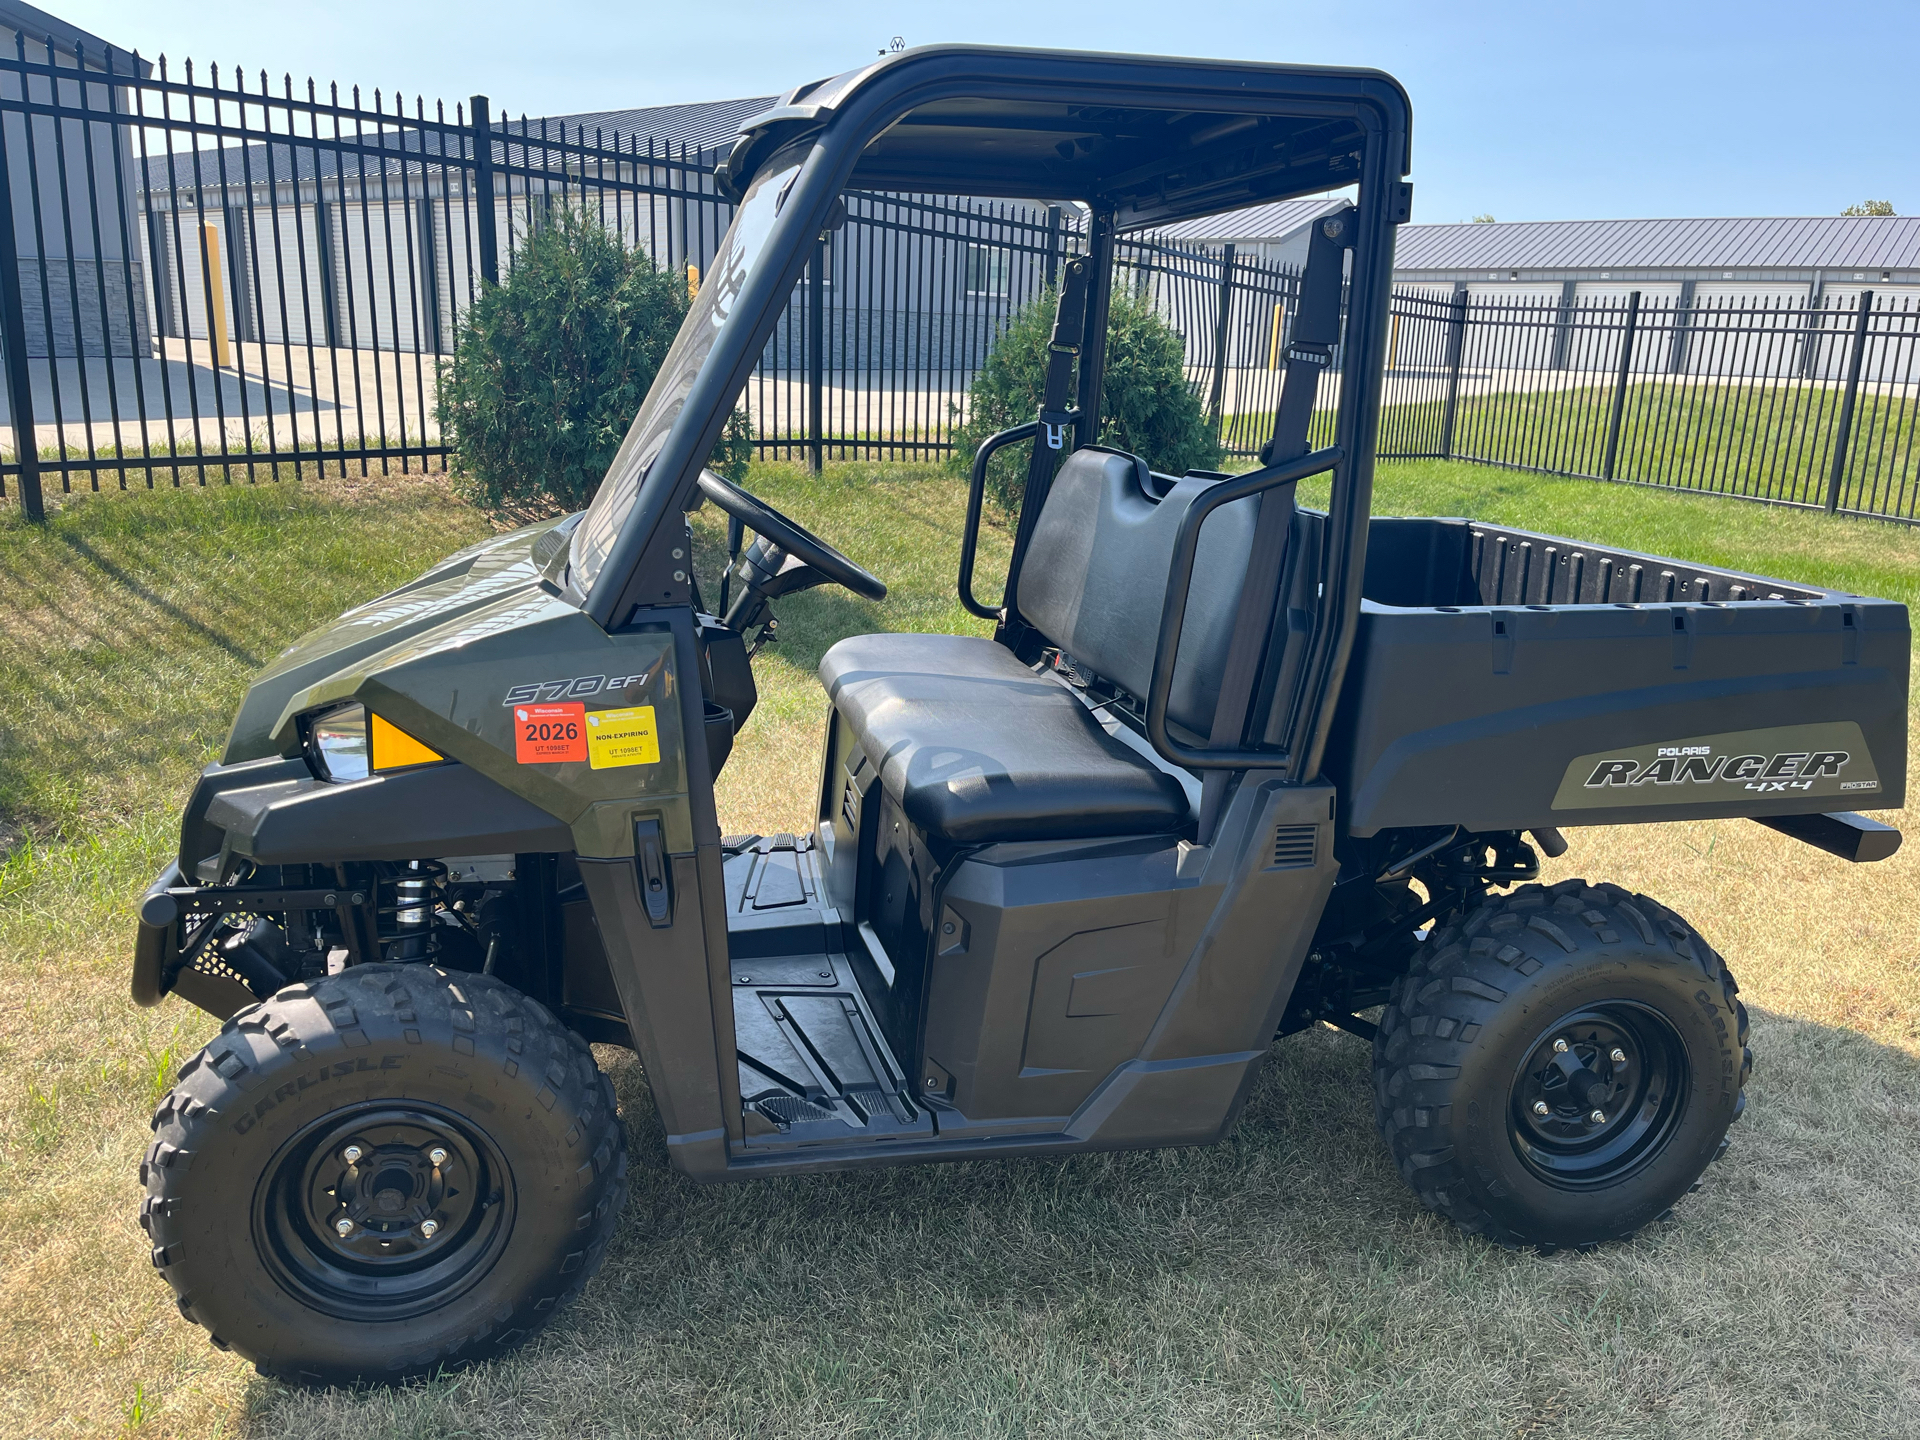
[903, 878]
[587, 991]
[1473, 716]
[730, 681]
[436, 810]
[1275, 857]
[1097, 986]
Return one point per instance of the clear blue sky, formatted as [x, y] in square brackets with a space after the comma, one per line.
[1526, 111]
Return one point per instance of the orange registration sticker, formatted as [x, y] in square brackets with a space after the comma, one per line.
[547, 734]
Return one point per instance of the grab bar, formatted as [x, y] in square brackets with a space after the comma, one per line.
[976, 493]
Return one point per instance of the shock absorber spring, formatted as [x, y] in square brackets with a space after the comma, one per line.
[405, 914]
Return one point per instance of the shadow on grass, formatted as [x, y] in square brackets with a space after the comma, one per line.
[159, 602]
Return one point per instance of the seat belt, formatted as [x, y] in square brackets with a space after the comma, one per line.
[1057, 424]
[1316, 330]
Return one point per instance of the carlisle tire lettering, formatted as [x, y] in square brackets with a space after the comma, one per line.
[300, 1084]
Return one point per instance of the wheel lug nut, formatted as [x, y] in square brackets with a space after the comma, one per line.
[1598, 1117]
[352, 1154]
[429, 1227]
[1559, 1047]
[343, 1226]
[437, 1155]
[1619, 1056]
[1540, 1108]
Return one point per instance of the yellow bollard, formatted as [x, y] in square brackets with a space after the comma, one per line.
[1279, 324]
[1393, 346]
[693, 280]
[216, 287]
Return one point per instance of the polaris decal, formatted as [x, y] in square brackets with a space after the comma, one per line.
[1787, 762]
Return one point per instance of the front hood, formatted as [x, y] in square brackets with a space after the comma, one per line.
[480, 575]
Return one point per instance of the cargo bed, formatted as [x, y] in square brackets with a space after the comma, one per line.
[1503, 679]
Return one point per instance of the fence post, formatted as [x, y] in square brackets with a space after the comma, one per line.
[1216, 401]
[483, 223]
[1863, 316]
[1053, 245]
[13, 334]
[816, 355]
[1456, 348]
[1620, 386]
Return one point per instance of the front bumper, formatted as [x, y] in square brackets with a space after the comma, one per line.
[156, 943]
[170, 954]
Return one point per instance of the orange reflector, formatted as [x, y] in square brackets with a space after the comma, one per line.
[394, 749]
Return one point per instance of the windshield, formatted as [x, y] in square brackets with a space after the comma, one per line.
[741, 248]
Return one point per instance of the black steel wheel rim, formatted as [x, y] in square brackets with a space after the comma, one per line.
[1599, 1095]
[384, 1211]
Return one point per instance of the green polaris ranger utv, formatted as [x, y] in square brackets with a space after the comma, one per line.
[1228, 767]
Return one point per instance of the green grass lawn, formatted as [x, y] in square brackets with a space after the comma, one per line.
[1774, 442]
[1284, 1283]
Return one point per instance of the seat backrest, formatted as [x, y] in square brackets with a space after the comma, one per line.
[1095, 577]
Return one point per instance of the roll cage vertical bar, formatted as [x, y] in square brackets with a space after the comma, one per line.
[1093, 354]
[1384, 202]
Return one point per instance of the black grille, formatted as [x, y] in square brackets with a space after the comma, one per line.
[850, 808]
[209, 963]
[1293, 845]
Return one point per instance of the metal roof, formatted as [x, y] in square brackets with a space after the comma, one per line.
[703, 126]
[702, 129]
[1809, 242]
[67, 38]
[1273, 221]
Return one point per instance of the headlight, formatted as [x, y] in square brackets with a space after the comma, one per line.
[346, 743]
[337, 744]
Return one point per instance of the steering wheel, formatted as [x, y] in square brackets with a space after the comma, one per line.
[803, 545]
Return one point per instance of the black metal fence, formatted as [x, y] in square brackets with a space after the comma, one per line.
[213, 276]
[1806, 402]
[207, 274]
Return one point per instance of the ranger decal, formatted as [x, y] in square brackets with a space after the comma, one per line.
[1787, 761]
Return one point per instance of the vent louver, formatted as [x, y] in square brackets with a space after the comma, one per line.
[1293, 845]
[850, 808]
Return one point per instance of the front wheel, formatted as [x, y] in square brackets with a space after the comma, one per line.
[383, 1173]
[1560, 1065]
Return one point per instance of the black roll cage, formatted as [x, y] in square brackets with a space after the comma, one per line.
[975, 119]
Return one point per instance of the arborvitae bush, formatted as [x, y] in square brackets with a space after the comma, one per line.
[550, 366]
[1148, 408]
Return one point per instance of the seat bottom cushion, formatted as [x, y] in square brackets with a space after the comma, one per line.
[975, 747]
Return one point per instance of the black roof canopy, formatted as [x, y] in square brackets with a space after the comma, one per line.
[1158, 139]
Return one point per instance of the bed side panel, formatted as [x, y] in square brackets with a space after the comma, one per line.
[1477, 716]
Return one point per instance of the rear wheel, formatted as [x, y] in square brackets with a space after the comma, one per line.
[384, 1173]
[1560, 1065]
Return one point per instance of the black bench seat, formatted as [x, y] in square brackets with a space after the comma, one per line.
[976, 747]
